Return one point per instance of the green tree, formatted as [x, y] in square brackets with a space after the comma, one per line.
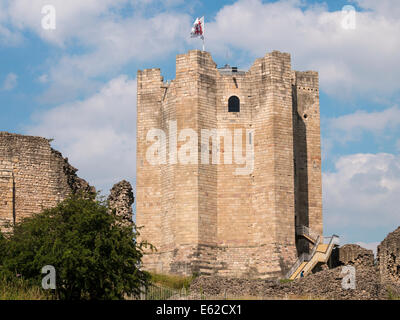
[95, 255]
[2, 247]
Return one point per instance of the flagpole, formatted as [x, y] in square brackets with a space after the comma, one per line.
[203, 30]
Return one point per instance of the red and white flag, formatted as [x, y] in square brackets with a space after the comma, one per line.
[198, 28]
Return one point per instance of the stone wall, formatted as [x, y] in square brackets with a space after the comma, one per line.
[388, 257]
[352, 254]
[33, 176]
[205, 217]
[326, 284]
[121, 200]
[373, 281]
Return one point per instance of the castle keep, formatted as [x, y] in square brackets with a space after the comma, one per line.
[205, 217]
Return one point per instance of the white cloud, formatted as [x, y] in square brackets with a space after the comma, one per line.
[370, 121]
[363, 192]
[97, 134]
[7, 36]
[351, 126]
[360, 61]
[350, 62]
[105, 38]
[10, 82]
[381, 126]
[73, 16]
[165, 3]
[43, 78]
[116, 43]
[389, 8]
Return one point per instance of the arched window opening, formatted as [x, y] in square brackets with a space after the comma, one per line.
[234, 104]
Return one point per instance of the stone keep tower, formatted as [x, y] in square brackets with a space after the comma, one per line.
[204, 217]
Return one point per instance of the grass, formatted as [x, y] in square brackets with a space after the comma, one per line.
[172, 281]
[287, 297]
[19, 289]
[164, 286]
[285, 280]
[391, 295]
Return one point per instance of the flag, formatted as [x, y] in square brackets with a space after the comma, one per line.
[198, 28]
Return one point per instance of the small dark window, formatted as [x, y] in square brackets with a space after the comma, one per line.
[234, 104]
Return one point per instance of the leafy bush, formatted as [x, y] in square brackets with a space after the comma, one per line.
[95, 255]
[3, 243]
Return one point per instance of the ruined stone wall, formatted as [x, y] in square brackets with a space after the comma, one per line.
[352, 254]
[7, 209]
[388, 258]
[205, 217]
[323, 285]
[121, 200]
[33, 176]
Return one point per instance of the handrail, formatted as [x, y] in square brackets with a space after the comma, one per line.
[308, 256]
[304, 230]
[303, 257]
[333, 240]
[315, 247]
[298, 262]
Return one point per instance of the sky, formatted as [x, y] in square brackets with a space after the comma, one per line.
[75, 82]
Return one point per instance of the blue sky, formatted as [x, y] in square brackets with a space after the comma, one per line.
[77, 84]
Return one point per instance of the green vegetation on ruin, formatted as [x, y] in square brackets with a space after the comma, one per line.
[172, 281]
[19, 289]
[94, 254]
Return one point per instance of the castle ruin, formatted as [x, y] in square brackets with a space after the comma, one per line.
[33, 176]
[204, 217]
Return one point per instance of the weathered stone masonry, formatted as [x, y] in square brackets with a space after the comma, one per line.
[205, 218]
[121, 200]
[33, 176]
[389, 258]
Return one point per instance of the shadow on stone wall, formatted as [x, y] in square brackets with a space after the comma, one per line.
[300, 172]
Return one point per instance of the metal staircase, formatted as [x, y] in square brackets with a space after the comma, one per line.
[320, 252]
